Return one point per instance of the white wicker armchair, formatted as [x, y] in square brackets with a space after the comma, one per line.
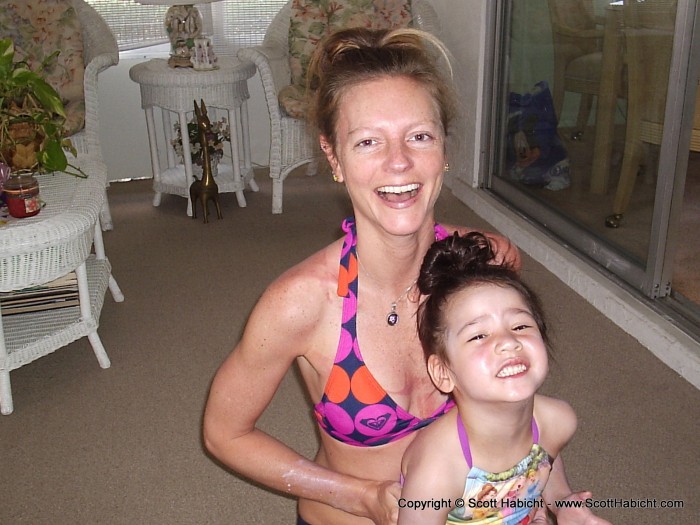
[97, 48]
[100, 51]
[290, 143]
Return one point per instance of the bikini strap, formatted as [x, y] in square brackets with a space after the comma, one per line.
[464, 441]
[535, 431]
[440, 232]
[347, 269]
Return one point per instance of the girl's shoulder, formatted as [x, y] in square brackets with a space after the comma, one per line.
[556, 421]
[433, 457]
[435, 443]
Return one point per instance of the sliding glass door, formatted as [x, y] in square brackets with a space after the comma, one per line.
[593, 135]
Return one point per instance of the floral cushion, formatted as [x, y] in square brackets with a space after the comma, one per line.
[311, 20]
[39, 28]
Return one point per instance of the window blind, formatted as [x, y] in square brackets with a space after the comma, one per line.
[230, 23]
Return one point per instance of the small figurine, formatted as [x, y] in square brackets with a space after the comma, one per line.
[204, 189]
[203, 57]
[183, 24]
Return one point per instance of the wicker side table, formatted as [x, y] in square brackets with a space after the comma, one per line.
[39, 249]
[173, 90]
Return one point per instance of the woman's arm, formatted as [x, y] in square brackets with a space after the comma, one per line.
[560, 491]
[280, 328]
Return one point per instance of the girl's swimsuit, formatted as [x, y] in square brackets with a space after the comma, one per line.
[504, 498]
[355, 409]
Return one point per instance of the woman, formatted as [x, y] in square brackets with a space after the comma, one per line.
[382, 109]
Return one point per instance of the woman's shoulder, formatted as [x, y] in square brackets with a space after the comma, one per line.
[303, 291]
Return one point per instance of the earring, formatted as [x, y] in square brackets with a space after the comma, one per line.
[335, 177]
[446, 167]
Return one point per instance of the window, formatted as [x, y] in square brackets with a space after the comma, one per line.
[230, 23]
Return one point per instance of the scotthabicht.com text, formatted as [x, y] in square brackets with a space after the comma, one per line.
[590, 503]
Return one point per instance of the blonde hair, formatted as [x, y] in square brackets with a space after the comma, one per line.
[352, 56]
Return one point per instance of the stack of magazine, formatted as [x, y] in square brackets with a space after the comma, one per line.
[61, 293]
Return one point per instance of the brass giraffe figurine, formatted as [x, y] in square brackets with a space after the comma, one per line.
[204, 189]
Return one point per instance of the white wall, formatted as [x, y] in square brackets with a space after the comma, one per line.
[463, 32]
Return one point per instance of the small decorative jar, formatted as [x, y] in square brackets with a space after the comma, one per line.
[22, 196]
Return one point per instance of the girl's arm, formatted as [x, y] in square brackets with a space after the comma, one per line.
[559, 423]
[428, 492]
[279, 329]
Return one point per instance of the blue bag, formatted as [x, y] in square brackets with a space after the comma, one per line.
[535, 154]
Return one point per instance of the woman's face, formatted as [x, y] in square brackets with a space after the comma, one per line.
[389, 151]
[494, 347]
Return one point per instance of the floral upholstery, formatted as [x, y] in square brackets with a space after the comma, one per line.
[313, 19]
[38, 28]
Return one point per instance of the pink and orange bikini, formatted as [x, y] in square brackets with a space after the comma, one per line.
[354, 408]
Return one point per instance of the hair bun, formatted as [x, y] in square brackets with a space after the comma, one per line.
[448, 260]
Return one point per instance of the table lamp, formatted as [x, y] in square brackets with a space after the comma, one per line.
[183, 23]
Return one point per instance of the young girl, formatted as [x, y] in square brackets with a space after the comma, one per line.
[485, 341]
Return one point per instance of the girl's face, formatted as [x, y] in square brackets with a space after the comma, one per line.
[389, 151]
[493, 345]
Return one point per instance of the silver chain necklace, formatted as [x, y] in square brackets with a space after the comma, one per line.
[392, 318]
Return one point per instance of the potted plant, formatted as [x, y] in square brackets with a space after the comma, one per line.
[32, 137]
[216, 136]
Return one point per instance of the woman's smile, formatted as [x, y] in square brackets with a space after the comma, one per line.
[399, 194]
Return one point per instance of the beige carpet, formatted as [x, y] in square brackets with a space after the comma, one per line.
[122, 446]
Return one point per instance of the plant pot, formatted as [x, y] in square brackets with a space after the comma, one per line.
[20, 152]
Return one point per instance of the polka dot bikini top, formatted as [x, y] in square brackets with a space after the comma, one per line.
[354, 408]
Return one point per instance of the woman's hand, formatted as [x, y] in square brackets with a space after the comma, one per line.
[382, 502]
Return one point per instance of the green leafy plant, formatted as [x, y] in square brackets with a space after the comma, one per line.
[32, 137]
[216, 136]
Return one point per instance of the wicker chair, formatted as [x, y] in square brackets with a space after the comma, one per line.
[577, 38]
[649, 32]
[100, 52]
[290, 143]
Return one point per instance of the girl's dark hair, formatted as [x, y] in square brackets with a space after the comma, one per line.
[349, 57]
[453, 264]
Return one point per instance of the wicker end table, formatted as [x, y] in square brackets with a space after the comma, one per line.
[174, 90]
[37, 250]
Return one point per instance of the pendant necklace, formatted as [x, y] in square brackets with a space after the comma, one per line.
[392, 318]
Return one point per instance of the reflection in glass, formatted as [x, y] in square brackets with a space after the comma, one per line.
[584, 91]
